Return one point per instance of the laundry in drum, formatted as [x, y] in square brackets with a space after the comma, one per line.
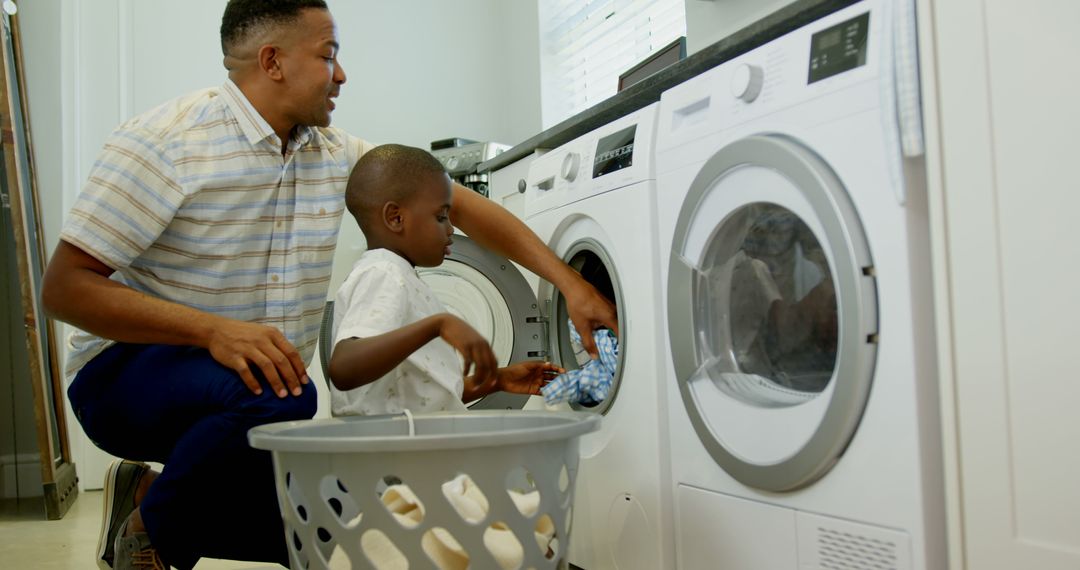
[590, 384]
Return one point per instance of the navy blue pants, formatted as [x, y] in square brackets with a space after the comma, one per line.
[177, 406]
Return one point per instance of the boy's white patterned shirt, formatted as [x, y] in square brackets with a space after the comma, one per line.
[383, 293]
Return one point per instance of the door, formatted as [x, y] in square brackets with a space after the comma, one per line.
[488, 292]
[772, 312]
[1004, 197]
[587, 255]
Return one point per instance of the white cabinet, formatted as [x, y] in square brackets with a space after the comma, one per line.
[506, 185]
[504, 188]
[1003, 117]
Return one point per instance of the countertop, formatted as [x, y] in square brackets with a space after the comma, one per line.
[648, 90]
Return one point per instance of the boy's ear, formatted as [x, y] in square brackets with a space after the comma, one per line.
[393, 217]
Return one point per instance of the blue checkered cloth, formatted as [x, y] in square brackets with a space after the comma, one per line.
[588, 385]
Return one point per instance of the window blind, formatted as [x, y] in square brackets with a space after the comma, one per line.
[586, 44]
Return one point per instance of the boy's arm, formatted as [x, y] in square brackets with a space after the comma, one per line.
[525, 377]
[359, 361]
[475, 390]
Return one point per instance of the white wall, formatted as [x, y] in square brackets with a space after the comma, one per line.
[40, 26]
[709, 21]
[418, 71]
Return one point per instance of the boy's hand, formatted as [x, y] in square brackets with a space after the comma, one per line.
[526, 377]
[474, 348]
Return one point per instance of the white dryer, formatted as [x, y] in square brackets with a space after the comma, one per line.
[803, 413]
[592, 201]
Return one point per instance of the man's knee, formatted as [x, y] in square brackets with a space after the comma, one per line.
[290, 407]
[303, 407]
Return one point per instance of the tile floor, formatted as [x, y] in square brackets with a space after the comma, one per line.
[29, 542]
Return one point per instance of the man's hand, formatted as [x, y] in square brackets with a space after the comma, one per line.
[526, 377]
[474, 348]
[589, 310]
[76, 289]
[238, 345]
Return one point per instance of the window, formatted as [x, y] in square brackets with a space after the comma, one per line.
[586, 44]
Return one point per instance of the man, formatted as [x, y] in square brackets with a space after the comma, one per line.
[197, 260]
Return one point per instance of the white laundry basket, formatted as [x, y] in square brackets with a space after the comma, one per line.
[477, 490]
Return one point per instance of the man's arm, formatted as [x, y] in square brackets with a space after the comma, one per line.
[498, 230]
[359, 361]
[76, 289]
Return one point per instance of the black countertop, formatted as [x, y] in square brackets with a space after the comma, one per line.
[648, 90]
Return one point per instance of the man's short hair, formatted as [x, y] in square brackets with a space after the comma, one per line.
[386, 173]
[245, 18]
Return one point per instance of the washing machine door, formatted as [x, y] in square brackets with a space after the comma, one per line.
[582, 248]
[772, 312]
[488, 292]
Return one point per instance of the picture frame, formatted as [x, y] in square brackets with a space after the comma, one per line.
[660, 59]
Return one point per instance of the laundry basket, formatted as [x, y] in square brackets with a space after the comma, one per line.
[482, 489]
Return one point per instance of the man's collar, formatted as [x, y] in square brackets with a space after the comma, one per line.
[253, 125]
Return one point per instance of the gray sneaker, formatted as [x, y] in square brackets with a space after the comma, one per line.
[135, 552]
[121, 481]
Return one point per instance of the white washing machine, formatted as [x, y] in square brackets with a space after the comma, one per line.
[592, 201]
[803, 412]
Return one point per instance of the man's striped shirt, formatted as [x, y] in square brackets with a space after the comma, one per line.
[194, 202]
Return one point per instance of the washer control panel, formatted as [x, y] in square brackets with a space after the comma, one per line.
[613, 156]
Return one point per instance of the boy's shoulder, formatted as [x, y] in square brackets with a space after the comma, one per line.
[383, 260]
[382, 265]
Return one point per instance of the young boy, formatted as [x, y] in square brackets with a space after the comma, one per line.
[394, 342]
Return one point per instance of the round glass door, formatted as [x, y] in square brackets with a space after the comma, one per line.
[490, 294]
[771, 312]
[767, 311]
[589, 258]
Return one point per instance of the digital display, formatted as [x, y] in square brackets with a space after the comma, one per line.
[829, 39]
[614, 152]
[839, 48]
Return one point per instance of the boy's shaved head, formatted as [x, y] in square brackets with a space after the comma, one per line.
[386, 173]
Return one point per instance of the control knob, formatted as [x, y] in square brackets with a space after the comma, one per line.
[746, 82]
[570, 165]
